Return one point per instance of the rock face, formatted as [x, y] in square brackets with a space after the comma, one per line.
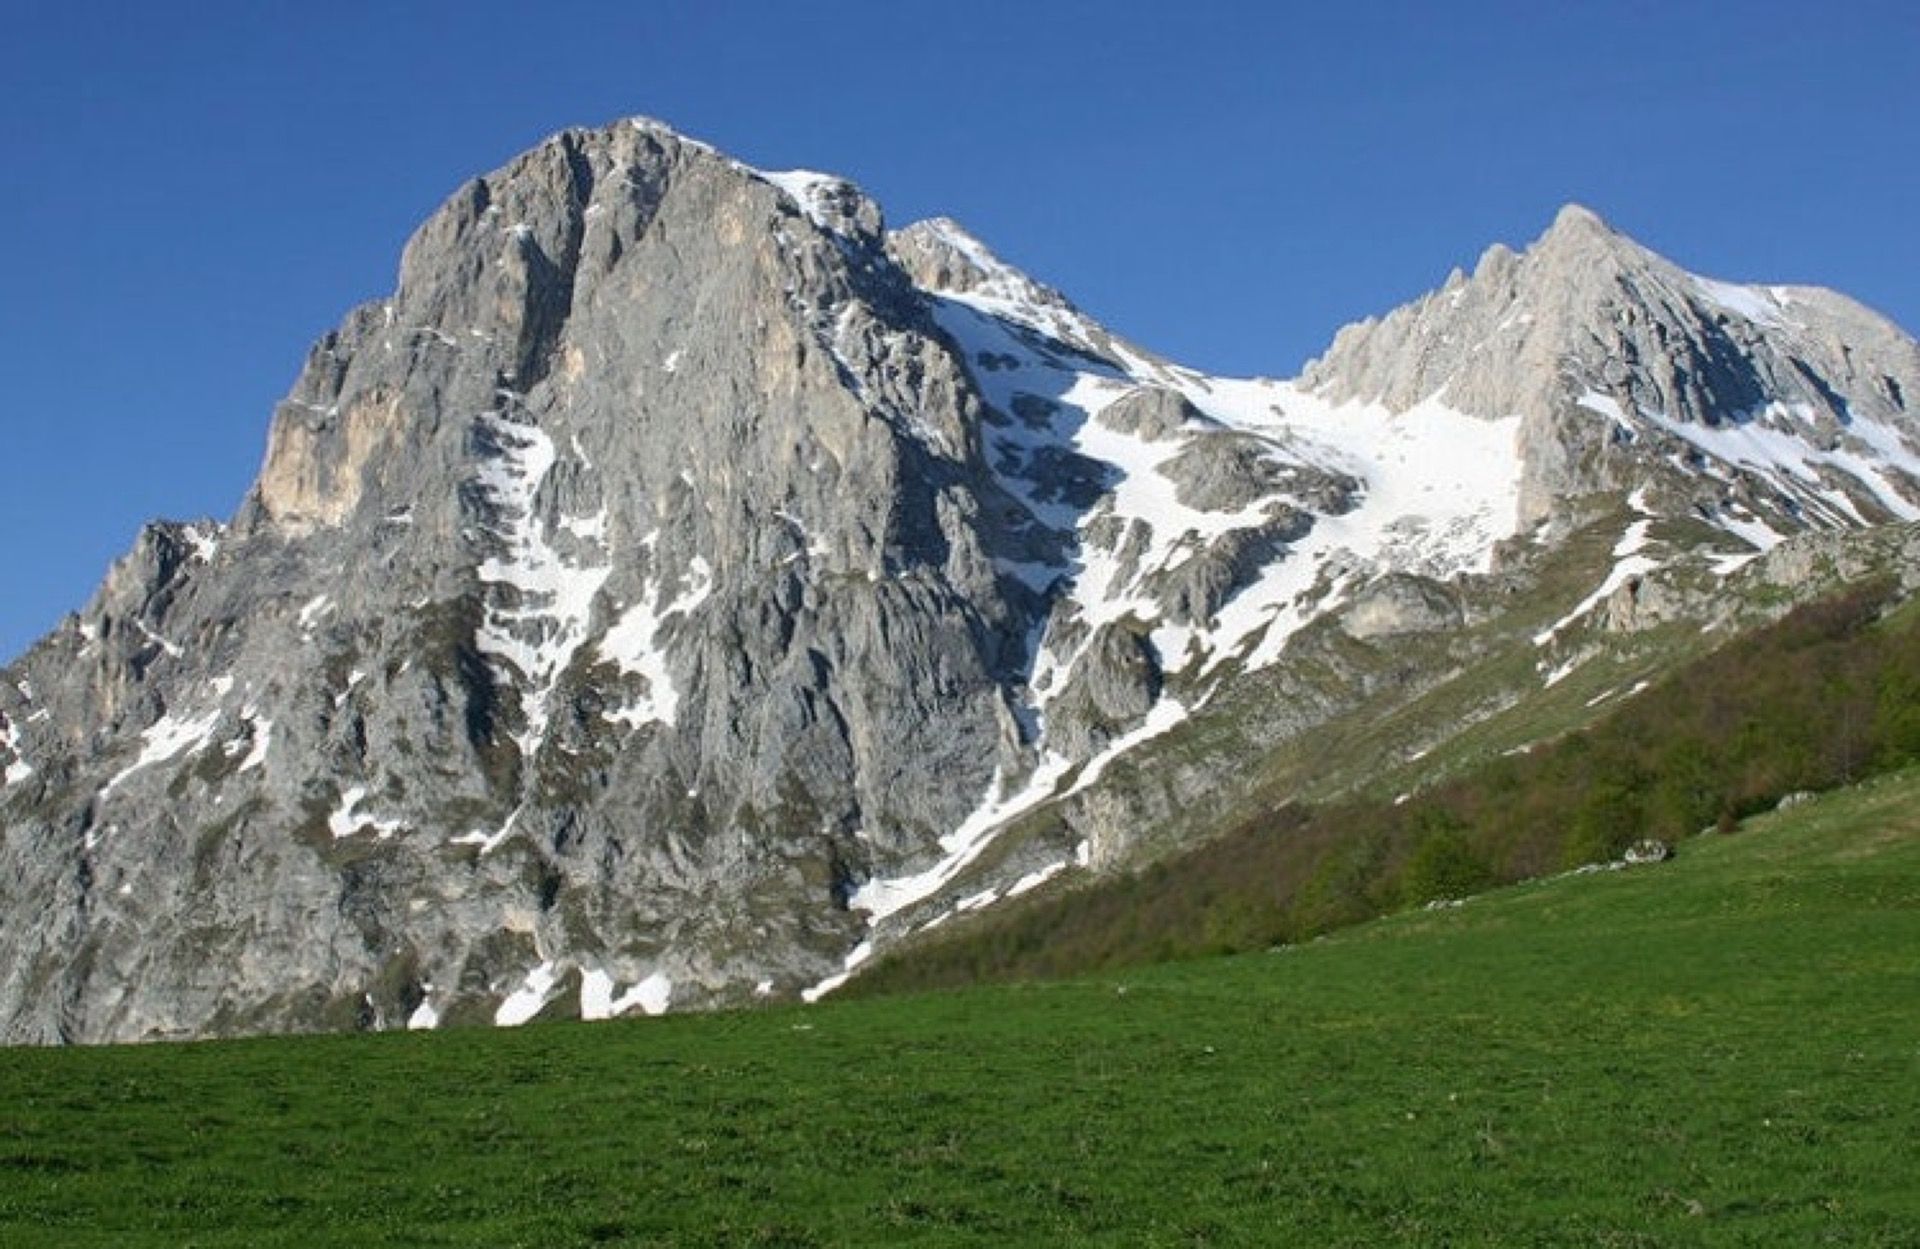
[667, 596]
[646, 517]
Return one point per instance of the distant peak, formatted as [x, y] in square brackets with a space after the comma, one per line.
[652, 125]
[1579, 217]
[1579, 235]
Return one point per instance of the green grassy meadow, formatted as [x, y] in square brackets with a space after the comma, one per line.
[1720, 1050]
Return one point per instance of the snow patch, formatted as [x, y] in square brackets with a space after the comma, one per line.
[204, 539]
[530, 998]
[1033, 880]
[881, 897]
[1556, 675]
[635, 646]
[810, 191]
[425, 1017]
[312, 610]
[18, 769]
[348, 819]
[599, 999]
[861, 953]
[254, 742]
[1628, 564]
[1752, 303]
[166, 738]
[488, 842]
[548, 596]
[172, 650]
[977, 901]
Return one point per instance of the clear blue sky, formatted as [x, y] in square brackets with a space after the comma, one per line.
[195, 192]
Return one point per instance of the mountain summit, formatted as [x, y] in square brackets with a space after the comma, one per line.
[681, 588]
[1588, 322]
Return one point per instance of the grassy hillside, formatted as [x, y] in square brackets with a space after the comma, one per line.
[1826, 695]
[1721, 1050]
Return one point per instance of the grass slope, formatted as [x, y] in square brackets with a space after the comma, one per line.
[1823, 697]
[1721, 1050]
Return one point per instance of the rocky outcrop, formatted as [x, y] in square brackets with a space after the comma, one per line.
[1154, 413]
[1402, 604]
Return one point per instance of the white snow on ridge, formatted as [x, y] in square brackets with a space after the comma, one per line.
[1754, 303]
[807, 189]
[999, 290]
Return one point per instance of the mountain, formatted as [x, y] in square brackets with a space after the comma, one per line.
[682, 587]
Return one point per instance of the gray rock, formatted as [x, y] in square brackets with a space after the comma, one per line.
[1154, 413]
[1111, 690]
[1400, 604]
[1224, 471]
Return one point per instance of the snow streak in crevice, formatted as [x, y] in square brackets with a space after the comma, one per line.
[540, 600]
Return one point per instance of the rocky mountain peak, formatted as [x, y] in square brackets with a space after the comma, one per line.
[1598, 342]
[1577, 221]
[679, 588]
